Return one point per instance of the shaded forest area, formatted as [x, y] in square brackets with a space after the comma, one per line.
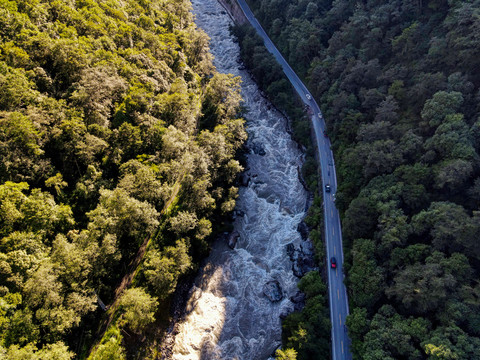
[114, 129]
[398, 83]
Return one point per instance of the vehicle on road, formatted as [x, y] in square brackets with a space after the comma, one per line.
[320, 116]
[327, 188]
[333, 263]
[309, 97]
[325, 133]
[334, 198]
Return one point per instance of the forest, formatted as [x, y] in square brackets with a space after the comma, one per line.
[118, 146]
[398, 85]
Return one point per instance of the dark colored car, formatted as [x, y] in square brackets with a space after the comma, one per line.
[333, 262]
[325, 133]
[327, 188]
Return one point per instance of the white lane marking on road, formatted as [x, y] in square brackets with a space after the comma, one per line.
[338, 294]
[335, 250]
[340, 318]
[342, 347]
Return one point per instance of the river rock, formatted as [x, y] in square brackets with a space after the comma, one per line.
[290, 251]
[273, 291]
[302, 265]
[302, 228]
[298, 301]
[283, 315]
[232, 239]
[307, 249]
[300, 178]
[298, 298]
[302, 258]
[239, 213]
[257, 149]
[297, 269]
[244, 179]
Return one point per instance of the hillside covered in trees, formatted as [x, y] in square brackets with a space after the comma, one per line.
[398, 83]
[115, 132]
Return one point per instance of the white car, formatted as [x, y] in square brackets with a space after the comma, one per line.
[309, 97]
[320, 115]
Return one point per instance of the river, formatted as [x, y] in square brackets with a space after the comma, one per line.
[228, 316]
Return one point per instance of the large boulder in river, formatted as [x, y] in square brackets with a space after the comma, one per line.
[232, 239]
[273, 291]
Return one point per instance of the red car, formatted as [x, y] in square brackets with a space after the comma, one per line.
[333, 262]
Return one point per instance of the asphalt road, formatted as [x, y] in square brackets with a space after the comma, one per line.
[333, 230]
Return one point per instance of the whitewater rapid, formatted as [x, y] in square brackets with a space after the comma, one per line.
[228, 315]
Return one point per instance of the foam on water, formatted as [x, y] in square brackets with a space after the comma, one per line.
[228, 316]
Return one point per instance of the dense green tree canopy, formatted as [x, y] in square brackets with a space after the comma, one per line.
[118, 139]
[398, 84]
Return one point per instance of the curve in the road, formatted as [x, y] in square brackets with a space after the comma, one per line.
[333, 231]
